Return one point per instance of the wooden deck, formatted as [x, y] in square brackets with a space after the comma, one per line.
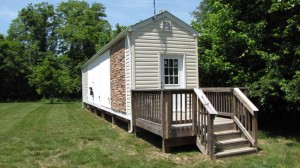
[217, 118]
[222, 122]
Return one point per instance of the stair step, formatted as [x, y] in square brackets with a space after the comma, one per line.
[218, 127]
[230, 134]
[235, 152]
[232, 144]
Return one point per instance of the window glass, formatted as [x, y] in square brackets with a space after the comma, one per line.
[171, 71]
[171, 62]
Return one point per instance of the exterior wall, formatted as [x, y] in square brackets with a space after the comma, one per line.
[128, 74]
[85, 89]
[150, 42]
[99, 80]
[117, 74]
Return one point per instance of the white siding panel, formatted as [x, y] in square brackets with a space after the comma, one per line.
[99, 80]
[150, 41]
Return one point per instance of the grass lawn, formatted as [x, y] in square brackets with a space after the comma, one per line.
[65, 135]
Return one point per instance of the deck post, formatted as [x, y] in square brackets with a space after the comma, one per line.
[163, 112]
[163, 115]
[211, 139]
[254, 129]
[133, 112]
[169, 113]
[113, 120]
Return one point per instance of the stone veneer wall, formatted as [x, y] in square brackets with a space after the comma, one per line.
[117, 76]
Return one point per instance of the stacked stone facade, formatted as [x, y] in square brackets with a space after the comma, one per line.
[117, 75]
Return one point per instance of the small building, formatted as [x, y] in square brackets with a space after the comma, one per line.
[157, 53]
[148, 76]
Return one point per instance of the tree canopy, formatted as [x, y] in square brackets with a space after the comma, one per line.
[252, 44]
[47, 44]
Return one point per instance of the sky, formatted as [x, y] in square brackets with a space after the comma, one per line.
[124, 12]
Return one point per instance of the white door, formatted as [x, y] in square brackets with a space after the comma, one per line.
[172, 72]
[173, 77]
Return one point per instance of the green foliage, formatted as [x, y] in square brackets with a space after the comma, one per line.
[52, 78]
[81, 32]
[51, 43]
[251, 44]
[13, 82]
[118, 29]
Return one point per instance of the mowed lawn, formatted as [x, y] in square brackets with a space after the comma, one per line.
[65, 135]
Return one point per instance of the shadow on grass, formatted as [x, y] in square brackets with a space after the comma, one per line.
[156, 141]
[151, 138]
[284, 124]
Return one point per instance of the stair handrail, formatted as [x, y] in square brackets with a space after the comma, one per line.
[211, 111]
[204, 100]
[252, 109]
[245, 101]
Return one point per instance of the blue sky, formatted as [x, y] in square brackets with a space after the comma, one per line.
[125, 12]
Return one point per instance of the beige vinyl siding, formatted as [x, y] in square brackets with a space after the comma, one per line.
[128, 75]
[85, 89]
[150, 42]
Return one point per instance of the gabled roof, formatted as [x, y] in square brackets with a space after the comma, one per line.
[161, 16]
[138, 25]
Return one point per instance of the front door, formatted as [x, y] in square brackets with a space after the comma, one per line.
[172, 75]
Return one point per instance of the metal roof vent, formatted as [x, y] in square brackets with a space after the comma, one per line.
[166, 26]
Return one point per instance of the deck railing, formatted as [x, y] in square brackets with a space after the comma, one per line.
[147, 105]
[198, 107]
[205, 121]
[245, 116]
[164, 107]
[234, 103]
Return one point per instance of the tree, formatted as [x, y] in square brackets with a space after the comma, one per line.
[118, 29]
[81, 33]
[67, 35]
[35, 29]
[52, 78]
[13, 82]
[251, 44]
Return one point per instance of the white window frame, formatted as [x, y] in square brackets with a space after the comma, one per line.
[181, 71]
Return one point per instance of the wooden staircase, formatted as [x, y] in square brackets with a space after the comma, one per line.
[229, 141]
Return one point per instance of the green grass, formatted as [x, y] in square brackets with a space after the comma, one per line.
[64, 135]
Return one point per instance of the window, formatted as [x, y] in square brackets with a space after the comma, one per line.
[166, 26]
[171, 71]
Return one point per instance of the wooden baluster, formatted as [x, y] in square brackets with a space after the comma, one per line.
[234, 108]
[202, 112]
[194, 124]
[190, 107]
[157, 107]
[181, 108]
[176, 114]
[169, 110]
[185, 107]
[205, 125]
